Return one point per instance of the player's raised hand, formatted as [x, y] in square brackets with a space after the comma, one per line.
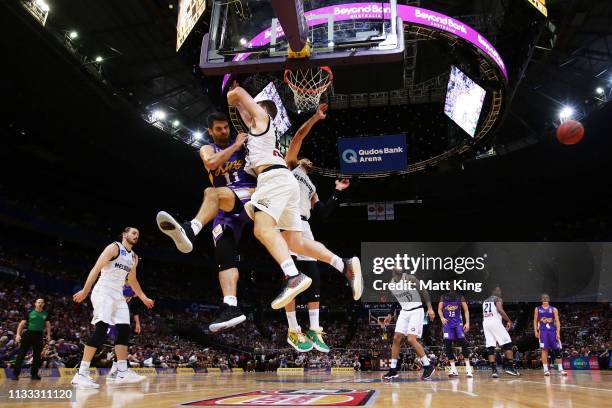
[342, 184]
[149, 303]
[80, 296]
[321, 112]
[240, 139]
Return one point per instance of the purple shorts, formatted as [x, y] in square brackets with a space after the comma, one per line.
[453, 333]
[548, 340]
[234, 221]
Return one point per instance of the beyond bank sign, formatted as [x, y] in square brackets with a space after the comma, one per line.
[372, 154]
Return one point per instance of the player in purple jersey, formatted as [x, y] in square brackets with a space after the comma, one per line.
[547, 328]
[449, 310]
[223, 205]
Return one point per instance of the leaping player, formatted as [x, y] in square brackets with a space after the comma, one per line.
[309, 204]
[547, 328]
[409, 323]
[274, 206]
[495, 332]
[109, 306]
[449, 310]
[224, 161]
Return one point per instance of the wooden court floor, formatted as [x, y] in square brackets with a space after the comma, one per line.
[532, 389]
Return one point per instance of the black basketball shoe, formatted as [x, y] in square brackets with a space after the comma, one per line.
[228, 316]
[352, 272]
[428, 372]
[392, 373]
[511, 370]
[494, 373]
[292, 287]
[181, 233]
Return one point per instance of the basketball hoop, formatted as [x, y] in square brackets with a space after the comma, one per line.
[308, 85]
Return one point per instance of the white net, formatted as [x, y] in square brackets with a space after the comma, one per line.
[308, 85]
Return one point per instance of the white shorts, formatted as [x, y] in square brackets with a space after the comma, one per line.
[278, 195]
[109, 306]
[495, 333]
[410, 322]
[306, 233]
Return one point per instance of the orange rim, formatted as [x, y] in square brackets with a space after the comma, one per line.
[320, 89]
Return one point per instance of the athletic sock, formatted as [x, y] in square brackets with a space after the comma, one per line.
[230, 300]
[467, 363]
[424, 360]
[289, 268]
[292, 320]
[394, 363]
[122, 365]
[545, 366]
[314, 319]
[84, 367]
[196, 226]
[337, 263]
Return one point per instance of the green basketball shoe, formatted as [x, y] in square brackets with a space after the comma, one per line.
[298, 341]
[316, 337]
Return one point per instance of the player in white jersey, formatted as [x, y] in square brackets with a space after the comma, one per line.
[274, 206]
[495, 332]
[109, 306]
[409, 322]
[309, 203]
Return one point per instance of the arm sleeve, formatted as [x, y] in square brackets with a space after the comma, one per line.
[325, 210]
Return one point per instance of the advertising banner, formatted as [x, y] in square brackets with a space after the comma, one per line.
[372, 154]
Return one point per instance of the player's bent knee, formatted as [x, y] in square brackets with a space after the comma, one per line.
[123, 334]
[507, 346]
[99, 335]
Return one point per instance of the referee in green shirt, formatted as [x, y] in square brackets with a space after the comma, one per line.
[37, 321]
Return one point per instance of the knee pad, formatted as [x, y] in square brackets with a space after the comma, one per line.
[507, 346]
[555, 353]
[226, 252]
[123, 334]
[490, 351]
[448, 346]
[99, 335]
[310, 269]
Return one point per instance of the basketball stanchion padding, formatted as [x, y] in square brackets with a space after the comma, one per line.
[290, 371]
[343, 370]
[308, 84]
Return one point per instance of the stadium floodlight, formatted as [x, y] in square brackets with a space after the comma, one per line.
[159, 114]
[243, 41]
[197, 135]
[599, 90]
[176, 123]
[99, 59]
[566, 112]
[73, 35]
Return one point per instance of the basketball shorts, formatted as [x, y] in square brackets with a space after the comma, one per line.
[109, 306]
[495, 333]
[278, 195]
[236, 222]
[453, 333]
[410, 322]
[306, 233]
[548, 340]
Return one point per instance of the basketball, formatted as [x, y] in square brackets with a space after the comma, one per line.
[570, 132]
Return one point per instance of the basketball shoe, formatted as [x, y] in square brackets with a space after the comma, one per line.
[392, 373]
[509, 369]
[452, 372]
[494, 373]
[182, 234]
[228, 316]
[428, 372]
[292, 286]
[298, 341]
[128, 377]
[316, 338]
[352, 272]
[469, 372]
[82, 381]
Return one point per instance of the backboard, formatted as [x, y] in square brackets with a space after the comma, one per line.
[246, 36]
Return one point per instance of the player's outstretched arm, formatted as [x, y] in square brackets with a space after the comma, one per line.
[324, 210]
[296, 142]
[109, 253]
[241, 99]
[213, 160]
[135, 285]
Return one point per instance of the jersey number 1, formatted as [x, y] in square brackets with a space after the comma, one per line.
[229, 180]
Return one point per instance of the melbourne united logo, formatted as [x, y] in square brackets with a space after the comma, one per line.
[123, 252]
[265, 202]
[349, 156]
